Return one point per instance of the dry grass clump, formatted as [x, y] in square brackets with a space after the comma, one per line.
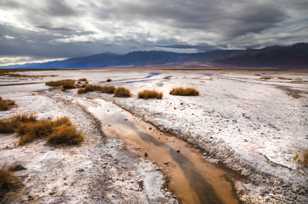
[284, 78]
[302, 158]
[150, 94]
[65, 134]
[266, 78]
[8, 183]
[6, 104]
[10, 125]
[180, 91]
[17, 75]
[64, 84]
[122, 92]
[92, 88]
[29, 128]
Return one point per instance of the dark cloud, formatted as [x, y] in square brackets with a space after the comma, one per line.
[62, 28]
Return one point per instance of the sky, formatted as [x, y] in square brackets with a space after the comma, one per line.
[42, 30]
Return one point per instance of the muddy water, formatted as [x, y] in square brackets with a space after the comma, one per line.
[190, 177]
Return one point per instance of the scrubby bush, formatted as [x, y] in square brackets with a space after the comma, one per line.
[150, 94]
[122, 92]
[109, 80]
[65, 134]
[266, 77]
[8, 183]
[64, 84]
[6, 104]
[180, 91]
[101, 89]
[29, 129]
[10, 125]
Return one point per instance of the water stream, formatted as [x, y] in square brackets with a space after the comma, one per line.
[190, 177]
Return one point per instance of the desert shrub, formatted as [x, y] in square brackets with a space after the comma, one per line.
[64, 84]
[109, 80]
[122, 92]
[92, 88]
[31, 131]
[6, 104]
[284, 78]
[180, 91]
[150, 94]
[266, 77]
[305, 158]
[10, 125]
[302, 158]
[83, 79]
[65, 134]
[8, 183]
[28, 128]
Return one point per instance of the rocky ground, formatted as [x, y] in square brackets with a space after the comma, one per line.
[251, 125]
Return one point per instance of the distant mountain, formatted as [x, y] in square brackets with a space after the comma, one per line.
[294, 56]
[276, 56]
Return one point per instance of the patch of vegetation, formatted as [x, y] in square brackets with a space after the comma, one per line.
[294, 93]
[9, 183]
[297, 80]
[64, 84]
[96, 88]
[150, 94]
[65, 134]
[6, 104]
[109, 80]
[17, 75]
[29, 128]
[264, 78]
[180, 91]
[81, 83]
[302, 158]
[10, 125]
[284, 78]
[122, 92]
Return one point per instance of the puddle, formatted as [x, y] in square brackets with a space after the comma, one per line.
[190, 177]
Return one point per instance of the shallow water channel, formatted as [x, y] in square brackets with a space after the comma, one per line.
[190, 177]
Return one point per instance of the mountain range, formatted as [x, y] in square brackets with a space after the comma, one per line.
[292, 56]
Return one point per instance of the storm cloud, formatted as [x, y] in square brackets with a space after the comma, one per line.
[49, 29]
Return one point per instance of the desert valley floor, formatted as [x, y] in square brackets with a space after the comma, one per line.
[240, 141]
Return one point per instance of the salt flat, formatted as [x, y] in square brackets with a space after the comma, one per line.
[252, 126]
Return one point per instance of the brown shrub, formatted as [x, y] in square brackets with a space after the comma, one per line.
[150, 94]
[302, 158]
[180, 91]
[30, 129]
[6, 104]
[8, 183]
[66, 135]
[10, 125]
[92, 88]
[122, 92]
[265, 78]
[64, 84]
[284, 78]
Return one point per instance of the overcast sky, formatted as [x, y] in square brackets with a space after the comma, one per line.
[51, 29]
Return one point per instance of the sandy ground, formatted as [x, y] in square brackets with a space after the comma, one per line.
[252, 126]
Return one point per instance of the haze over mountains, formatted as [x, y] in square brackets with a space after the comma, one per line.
[293, 56]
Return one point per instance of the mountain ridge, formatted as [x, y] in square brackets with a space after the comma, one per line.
[295, 55]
